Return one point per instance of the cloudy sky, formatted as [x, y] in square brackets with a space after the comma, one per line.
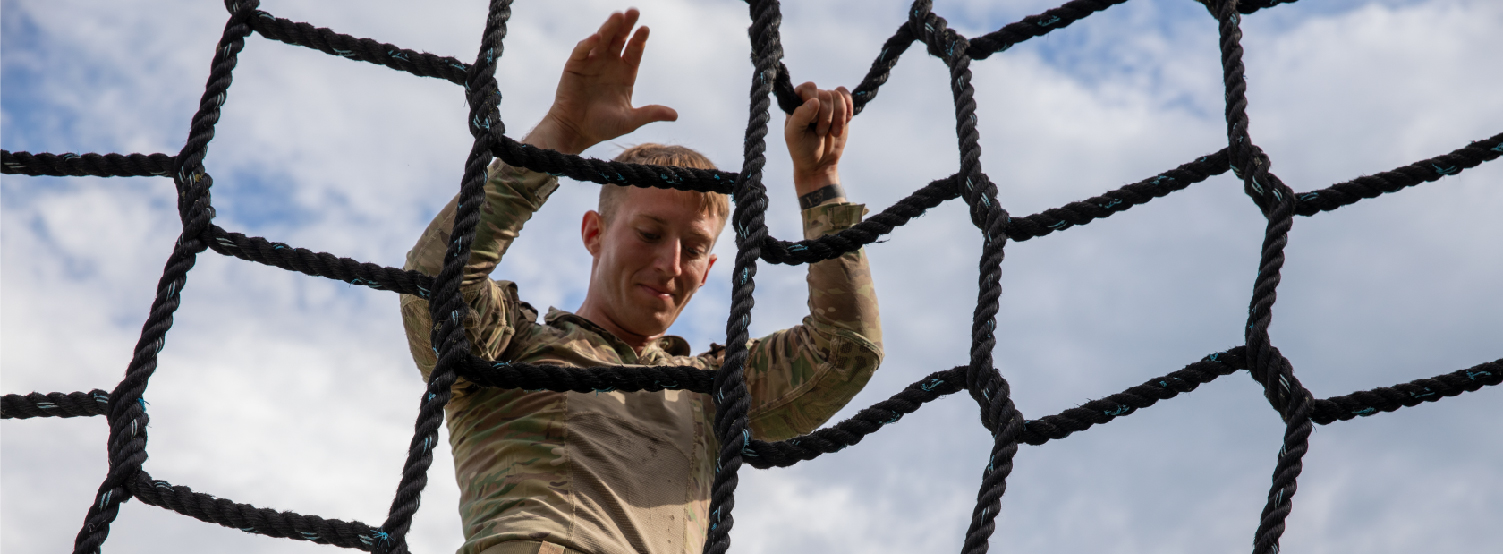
[297, 393]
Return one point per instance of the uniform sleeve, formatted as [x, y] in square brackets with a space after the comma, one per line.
[512, 195]
[799, 377]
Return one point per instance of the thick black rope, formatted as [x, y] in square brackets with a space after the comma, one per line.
[1276, 200]
[319, 264]
[864, 233]
[324, 40]
[108, 165]
[837, 437]
[729, 393]
[126, 409]
[264, 521]
[56, 404]
[127, 413]
[982, 380]
[447, 307]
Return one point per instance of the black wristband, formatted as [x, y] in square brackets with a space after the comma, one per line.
[825, 193]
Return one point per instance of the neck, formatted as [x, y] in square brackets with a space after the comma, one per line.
[599, 317]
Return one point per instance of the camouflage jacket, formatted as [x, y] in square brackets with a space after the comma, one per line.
[612, 472]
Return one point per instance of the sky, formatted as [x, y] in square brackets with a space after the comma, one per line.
[298, 393]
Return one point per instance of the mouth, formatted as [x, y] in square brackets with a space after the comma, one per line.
[665, 296]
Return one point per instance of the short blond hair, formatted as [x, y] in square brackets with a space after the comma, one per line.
[715, 203]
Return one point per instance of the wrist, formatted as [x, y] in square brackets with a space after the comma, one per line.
[810, 181]
[821, 196]
[554, 134]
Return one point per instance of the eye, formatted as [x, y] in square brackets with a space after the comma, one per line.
[648, 236]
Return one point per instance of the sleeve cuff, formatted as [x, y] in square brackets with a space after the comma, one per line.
[531, 185]
[830, 218]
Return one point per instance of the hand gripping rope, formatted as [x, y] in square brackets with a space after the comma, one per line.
[125, 409]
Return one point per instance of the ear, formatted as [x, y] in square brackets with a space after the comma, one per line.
[589, 231]
[706, 277]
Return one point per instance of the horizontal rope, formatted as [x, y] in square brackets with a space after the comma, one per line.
[762, 454]
[1135, 194]
[367, 50]
[261, 521]
[1423, 171]
[55, 404]
[580, 168]
[319, 264]
[1095, 412]
[77, 165]
[861, 234]
[1079, 213]
[1403, 395]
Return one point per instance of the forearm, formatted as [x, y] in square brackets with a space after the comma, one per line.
[841, 293]
[800, 377]
[512, 195]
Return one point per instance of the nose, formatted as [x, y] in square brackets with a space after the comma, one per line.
[667, 258]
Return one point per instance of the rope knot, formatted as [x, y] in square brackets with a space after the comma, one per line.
[935, 32]
[1251, 164]
[1284, 392]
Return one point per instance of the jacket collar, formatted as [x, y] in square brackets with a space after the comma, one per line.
[662, 347]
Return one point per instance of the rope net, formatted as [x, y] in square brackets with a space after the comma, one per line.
[125, 411]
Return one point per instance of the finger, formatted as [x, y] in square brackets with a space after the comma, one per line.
[826, 113]
[838, 118]
[803, 116]
[582, 50]
[609, 30]
[652, 114]
[634, 49]
[850, 104]
[609, 24]
[807, 90]
[628, 21]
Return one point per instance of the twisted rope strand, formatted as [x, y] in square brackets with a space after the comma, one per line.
[127, 413]
[1267, 366]
[329, 42]
[261, 521]
[70, 164]
[54, 404]
[448, 308]
[319, 264]
[731, 398]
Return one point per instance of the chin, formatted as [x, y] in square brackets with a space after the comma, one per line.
[656, 323]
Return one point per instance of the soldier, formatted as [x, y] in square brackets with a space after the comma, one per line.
[610, 472]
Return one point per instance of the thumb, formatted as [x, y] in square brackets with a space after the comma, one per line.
[805, 114]
[652, 114]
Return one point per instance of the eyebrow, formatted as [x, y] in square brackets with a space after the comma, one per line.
[707, 237]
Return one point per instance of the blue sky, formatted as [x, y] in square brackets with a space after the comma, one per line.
[297, 393]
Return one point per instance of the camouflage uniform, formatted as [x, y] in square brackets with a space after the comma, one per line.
[610, 472]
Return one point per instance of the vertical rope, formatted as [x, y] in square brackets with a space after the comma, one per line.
[986, 385]
[448, 308]
[731, 397]
[126, 410]
[1270, 368]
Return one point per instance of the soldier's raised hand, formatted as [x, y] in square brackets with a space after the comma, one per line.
[593, 100]
[816, 133]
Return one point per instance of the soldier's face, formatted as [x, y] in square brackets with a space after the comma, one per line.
[649, 260]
